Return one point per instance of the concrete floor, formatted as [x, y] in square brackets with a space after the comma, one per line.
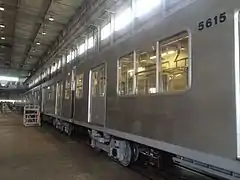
[45, 154]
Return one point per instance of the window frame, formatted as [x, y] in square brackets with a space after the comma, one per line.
[169, 40]
[90, 42]
[159, 44]
[120, 16]
[134, 78]
[106, 29]
[145, 49]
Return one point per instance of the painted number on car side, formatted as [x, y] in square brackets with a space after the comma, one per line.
[213, 21]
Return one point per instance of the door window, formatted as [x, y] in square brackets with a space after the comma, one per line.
[98, 82]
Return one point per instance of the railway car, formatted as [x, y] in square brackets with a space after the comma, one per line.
[171, 86]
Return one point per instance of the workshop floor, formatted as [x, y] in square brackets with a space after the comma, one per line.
[42, 153]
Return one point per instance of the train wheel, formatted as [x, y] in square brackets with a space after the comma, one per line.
[127, 155]
[69, 129]
[135, 152]
[54, 123]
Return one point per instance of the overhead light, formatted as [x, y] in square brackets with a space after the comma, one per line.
[2, 26]
[171, 52]
[178, 75]
[38, 43]
[44, 33]
[153, 57]
[168, 53]
[139, 69]
[3, 38]
[164, 54]
[51, 19]
[2, 9]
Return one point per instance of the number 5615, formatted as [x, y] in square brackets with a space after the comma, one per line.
[210, 22]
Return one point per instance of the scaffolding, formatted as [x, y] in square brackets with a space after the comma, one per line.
[31, 116]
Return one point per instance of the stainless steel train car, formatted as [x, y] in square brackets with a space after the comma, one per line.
[173, 85]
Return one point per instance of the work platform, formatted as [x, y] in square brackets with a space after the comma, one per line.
[42, 153]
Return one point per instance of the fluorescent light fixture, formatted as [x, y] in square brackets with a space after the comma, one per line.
[130, 71]
[178, 75]
[3, 38]
[90, 42]
[51, 19]
[81, 49]
[143, 6]
[164, 54]
[106, 31]
[171, 52]
[2, 9]
[140, 69]
[123, 19]
[2, 26]
[38, 43]
[6, 78]
[168, 53]
[153, 57]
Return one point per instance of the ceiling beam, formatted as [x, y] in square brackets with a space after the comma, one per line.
[27, 41]
[31, 16]
[49, 3]
[14, 28]
[89, 10]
